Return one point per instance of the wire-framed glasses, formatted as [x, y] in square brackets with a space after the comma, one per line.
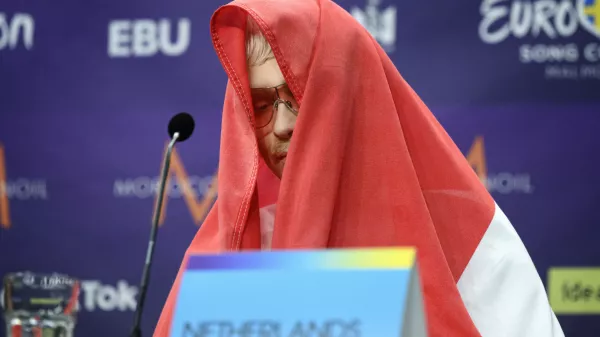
[266, 100]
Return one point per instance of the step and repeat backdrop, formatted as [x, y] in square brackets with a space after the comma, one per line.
[87, 89]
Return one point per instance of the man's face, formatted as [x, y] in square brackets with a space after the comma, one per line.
[274, 122]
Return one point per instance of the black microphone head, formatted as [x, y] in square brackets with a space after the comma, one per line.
[182, 123]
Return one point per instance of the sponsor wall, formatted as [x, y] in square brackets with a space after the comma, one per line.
[87, 88]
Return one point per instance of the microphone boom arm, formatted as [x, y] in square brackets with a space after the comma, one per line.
[136, 331]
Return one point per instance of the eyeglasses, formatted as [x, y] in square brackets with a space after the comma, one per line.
[266, 100]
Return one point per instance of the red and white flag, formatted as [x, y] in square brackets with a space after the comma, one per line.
[368, 166]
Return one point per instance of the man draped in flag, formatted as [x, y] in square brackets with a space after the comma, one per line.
[324, 145]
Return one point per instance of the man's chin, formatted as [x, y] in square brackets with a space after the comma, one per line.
[279, 171]
[277, 167]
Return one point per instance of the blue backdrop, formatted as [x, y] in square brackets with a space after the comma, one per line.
[86, 90]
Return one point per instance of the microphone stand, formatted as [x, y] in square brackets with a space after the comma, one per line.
[137, 331]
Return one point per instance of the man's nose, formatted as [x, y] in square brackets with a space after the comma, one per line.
[285, 121]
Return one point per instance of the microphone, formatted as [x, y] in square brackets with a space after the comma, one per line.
[180, 129]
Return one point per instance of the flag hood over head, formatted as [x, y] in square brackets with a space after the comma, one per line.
[368, 165]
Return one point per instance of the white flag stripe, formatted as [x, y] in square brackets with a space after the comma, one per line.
[501, 288]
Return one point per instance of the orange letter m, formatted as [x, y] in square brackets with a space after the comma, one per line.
[4, 209]
[198, 208]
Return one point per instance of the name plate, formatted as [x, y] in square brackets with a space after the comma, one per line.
[305, 293]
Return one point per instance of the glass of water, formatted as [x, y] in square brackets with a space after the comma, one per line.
[40, 305]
